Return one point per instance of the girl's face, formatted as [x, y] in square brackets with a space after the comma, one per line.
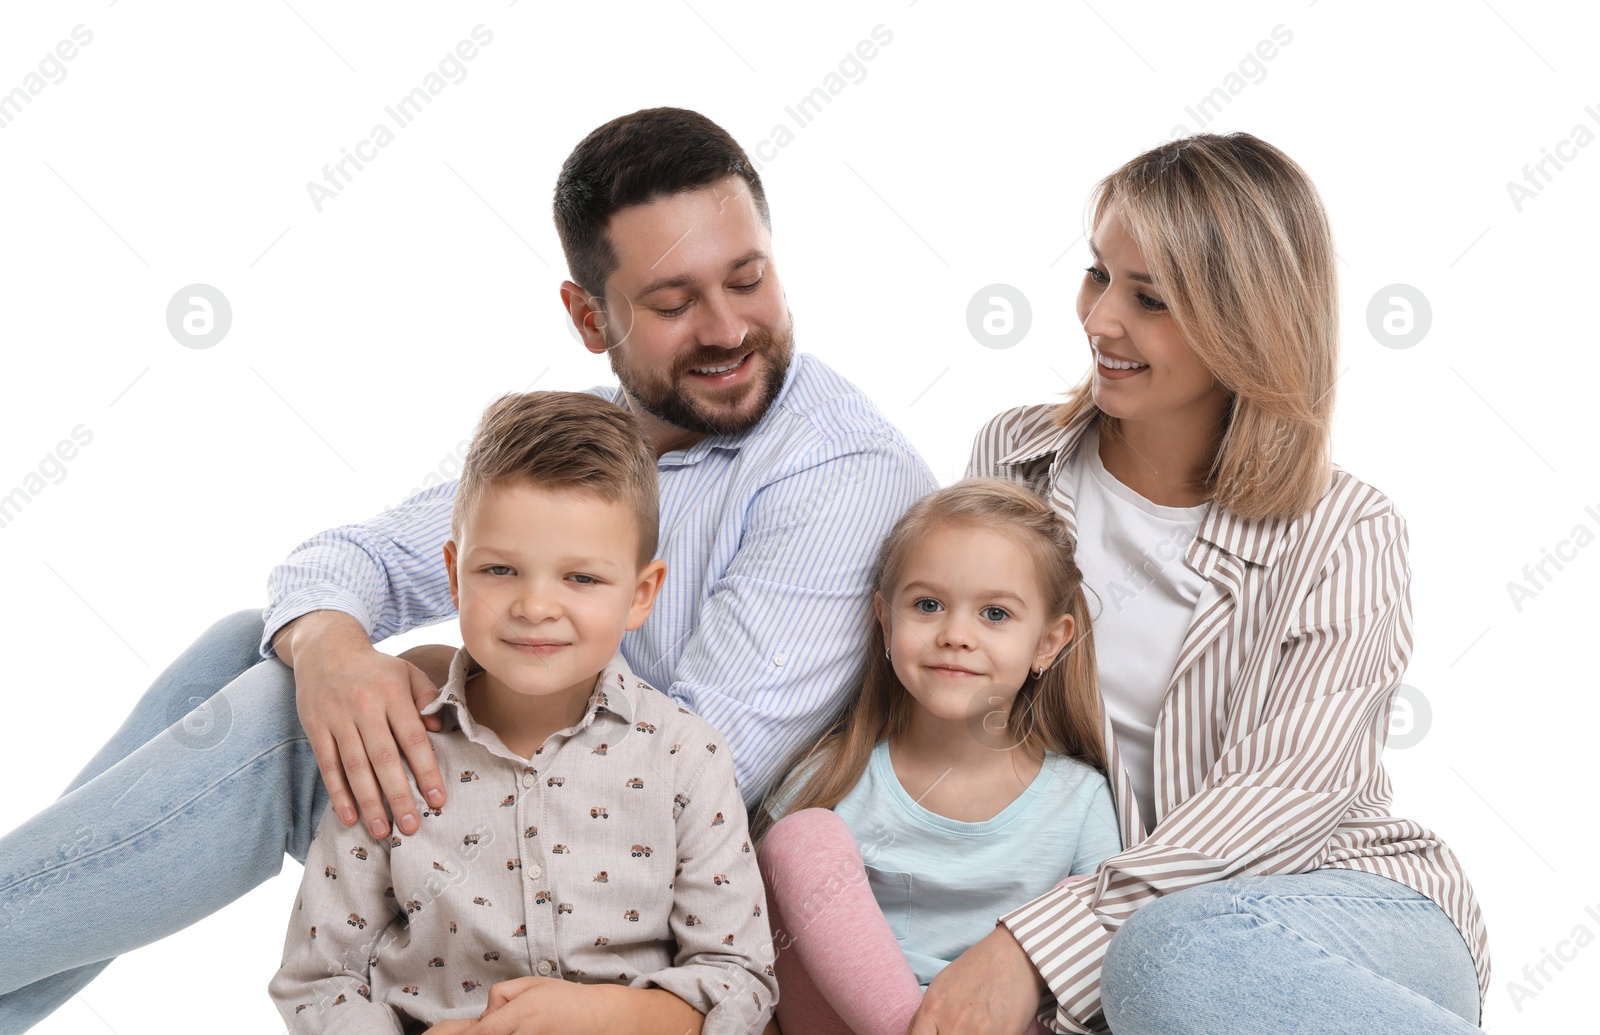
[1127, 322]
[967, 622]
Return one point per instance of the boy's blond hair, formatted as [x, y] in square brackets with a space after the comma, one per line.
[567, 441]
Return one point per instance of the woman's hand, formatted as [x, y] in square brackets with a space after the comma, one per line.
[991, 989]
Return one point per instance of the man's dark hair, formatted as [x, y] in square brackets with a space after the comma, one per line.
[633, 160]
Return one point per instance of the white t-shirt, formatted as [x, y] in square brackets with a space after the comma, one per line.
[1143, 596]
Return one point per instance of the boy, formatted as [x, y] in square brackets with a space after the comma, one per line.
[594, 850]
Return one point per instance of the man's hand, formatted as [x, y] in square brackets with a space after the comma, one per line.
[434, 661]
[359, 710]
[991, 989]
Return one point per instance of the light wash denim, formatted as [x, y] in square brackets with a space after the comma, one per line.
[1329, 952]
[168, 823]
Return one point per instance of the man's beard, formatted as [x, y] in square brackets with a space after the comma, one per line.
[666, 400]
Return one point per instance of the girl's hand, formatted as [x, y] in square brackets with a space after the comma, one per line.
[991, 989]
[541, 1006]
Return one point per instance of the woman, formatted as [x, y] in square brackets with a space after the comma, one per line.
[1253, 623]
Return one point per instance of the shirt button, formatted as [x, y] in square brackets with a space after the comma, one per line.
[527, 779]
[544, 968]
[779, 658]
[533, 870]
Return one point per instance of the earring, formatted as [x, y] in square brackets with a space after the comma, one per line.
[1038, 672]
[886, 653]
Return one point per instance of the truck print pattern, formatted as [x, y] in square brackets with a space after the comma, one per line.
[464, 899]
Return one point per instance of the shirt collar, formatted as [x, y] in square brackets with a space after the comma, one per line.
[1257, 540]
[616, 694]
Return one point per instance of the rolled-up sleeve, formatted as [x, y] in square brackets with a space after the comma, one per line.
[387, 572]
[723, 963]
[339, 924]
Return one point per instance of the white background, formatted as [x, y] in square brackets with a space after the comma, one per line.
[367, 337]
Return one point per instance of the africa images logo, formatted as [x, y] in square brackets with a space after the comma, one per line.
[451, 70]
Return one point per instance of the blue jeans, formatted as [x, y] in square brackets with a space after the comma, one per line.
[1330, 951]
[168, 823]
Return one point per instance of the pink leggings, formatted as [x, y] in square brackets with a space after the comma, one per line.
[840, 970]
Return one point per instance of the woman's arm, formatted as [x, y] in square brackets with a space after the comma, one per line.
[991, 988]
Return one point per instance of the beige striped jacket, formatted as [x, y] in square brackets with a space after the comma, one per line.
[1267, 745]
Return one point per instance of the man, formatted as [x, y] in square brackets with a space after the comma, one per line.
[778, 479]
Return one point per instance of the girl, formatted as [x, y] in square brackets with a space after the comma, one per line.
[964, 778]
[1266, 887]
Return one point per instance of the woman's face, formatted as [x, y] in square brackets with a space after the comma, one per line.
[1127, 322]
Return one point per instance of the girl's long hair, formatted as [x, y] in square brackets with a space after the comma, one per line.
[1059, 711]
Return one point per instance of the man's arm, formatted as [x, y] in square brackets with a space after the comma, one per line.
[386, 572]
[782, 638]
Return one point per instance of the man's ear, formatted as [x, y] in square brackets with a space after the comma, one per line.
[450, 566]
[584, 310]
[644, 594]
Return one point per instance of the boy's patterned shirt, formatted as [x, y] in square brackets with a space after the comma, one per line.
[618, 853]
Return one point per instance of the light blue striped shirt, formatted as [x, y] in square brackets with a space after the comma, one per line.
[768, 535]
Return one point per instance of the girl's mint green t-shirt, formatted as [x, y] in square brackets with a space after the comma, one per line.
[943, 883]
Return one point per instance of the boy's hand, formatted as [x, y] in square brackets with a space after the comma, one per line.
[450, 1027]
[359, 710]
[543, 1006]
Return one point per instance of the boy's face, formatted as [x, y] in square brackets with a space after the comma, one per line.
[546, 582]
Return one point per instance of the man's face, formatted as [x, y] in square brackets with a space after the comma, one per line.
[695, 324]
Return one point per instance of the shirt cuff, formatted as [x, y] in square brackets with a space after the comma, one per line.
[304, 601]
[1066, 943]
[354, 1016]
[733, 1000]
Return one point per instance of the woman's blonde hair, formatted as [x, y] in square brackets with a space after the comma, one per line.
[1058, 711]
[1236, 238]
